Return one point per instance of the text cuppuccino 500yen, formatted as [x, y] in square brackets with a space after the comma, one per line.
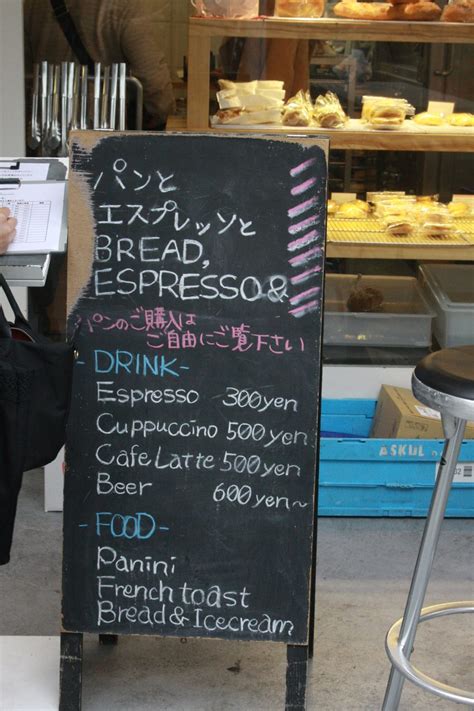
[244, 431]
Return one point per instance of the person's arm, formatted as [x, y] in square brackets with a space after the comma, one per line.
[140, 44]
[7, 229]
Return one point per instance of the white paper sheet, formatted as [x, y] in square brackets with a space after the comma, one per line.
[24, 171]
[39, 208]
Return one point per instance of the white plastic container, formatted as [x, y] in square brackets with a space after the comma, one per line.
[449, 289]
[236, 9]
[404, 319]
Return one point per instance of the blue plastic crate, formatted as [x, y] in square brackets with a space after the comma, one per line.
[347, 418]
[383, 477]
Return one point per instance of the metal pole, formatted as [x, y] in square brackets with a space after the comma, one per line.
[424, 562]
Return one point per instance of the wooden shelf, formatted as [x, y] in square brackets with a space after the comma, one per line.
[202, 30]
[335, 29]
[411, 138]
[389, 251]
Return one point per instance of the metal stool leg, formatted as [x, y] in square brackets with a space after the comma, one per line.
[454, 430]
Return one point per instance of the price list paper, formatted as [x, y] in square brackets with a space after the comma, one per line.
[192, 441]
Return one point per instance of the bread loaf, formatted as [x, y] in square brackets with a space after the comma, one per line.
[460, 11]
[424, 10]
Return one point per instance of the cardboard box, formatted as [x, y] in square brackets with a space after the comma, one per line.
[400, 415]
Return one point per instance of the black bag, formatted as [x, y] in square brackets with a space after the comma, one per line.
[35, 391]
[70, 32]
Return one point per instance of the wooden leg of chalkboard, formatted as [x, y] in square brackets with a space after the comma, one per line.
[311, 624]
[312, 599]
[70, 677]
[108, 639]
[297, 664]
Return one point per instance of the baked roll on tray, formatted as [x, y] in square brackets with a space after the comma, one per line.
[427, 118]
[423, 10]
[459, 11]
[459, 209]
[354, 209]
[463, 120]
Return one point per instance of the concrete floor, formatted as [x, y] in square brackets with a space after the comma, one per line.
[364, 566]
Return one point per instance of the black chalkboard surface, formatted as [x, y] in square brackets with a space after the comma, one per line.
[191, 451]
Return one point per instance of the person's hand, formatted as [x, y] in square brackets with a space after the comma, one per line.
[7, 229]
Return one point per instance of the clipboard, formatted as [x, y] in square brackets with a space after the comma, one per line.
[30, 268]
[54, 168]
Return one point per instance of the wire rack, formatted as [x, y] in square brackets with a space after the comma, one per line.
[369, 230]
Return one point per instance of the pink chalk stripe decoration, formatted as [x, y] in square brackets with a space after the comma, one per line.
[301, 167]
[306, 257]
[303, 225]
[302, 207]
[304, 302]
[304, 276]
[304, 296]
[308, 308]
[303, 241]
[303, 187]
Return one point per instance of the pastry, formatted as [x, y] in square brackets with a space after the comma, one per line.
[250, 102]
[228, 115]
[251, 87]
[353, 209]
[299, 8]
[240, 117]
[385, 111]
[423, 10]
[427, 118]
[361, 204]
[385, 116]
[397, 218]
[396, 214]
[426, 199]
[295, 116]
[228, 99]
[459, 11]
[364, 298]
[269, 84]
[257, 102]
[328, 111]
[298, 110]
[399, 227]
[332, 207]
[244, 87]
[458, 209]
[461, 120]
[436, 221]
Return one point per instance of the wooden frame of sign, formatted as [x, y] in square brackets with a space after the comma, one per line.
[195, 283]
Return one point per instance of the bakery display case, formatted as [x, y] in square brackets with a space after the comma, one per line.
[388, 130]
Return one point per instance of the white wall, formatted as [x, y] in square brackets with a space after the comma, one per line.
[12, 109]
[12, 103]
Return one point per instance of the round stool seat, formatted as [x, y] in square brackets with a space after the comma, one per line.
[445, 381]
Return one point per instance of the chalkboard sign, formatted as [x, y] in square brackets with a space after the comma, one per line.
[195, 271]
